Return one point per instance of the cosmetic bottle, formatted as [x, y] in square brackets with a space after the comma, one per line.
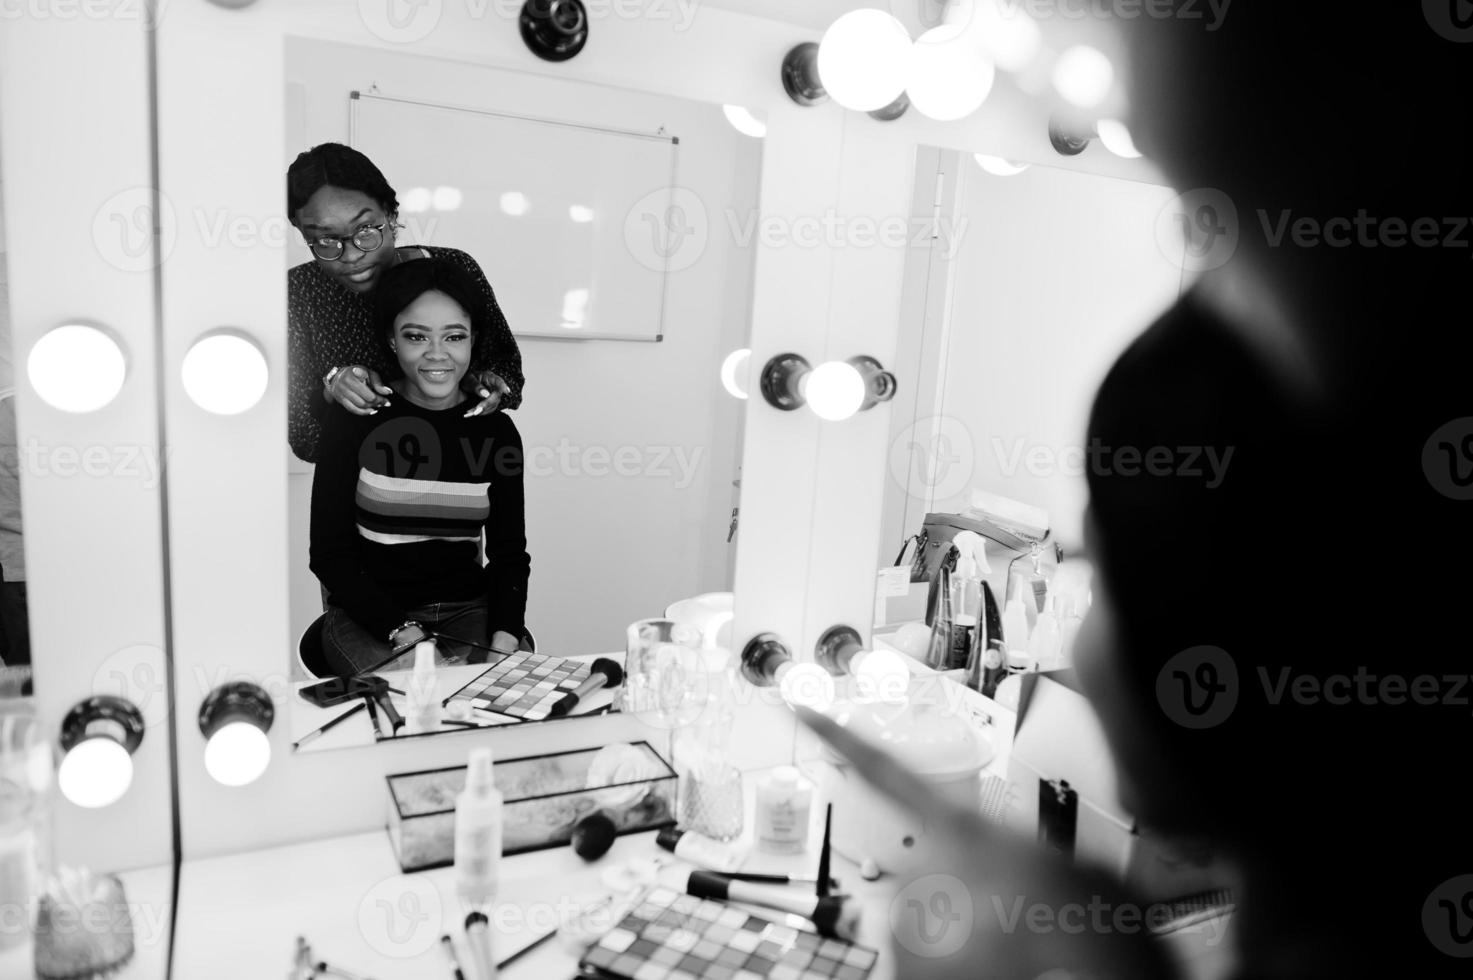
[1044, 642]
[1015, 631]
[987, 665]
[478, 833]
[701, 850]
[424, 705]
[784, 799]
[966, 598]
[938, 651]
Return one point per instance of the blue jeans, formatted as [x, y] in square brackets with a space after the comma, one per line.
[350, 649]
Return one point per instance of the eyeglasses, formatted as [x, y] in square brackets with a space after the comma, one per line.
[365, 239]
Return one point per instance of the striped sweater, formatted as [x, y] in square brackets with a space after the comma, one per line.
[399, 502]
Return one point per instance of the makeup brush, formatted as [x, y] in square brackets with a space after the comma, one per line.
[603, 673]
[835, 916]
[824, 883]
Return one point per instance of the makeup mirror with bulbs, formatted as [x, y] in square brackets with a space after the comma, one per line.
[631, 447]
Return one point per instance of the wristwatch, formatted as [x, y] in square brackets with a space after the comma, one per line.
[327, 378]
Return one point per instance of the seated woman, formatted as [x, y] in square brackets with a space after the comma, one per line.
[401, 498]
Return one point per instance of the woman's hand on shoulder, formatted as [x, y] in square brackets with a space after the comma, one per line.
[492, 389]
[358, 389]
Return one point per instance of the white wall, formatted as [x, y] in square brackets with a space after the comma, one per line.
[614, 549]
[1056, 272]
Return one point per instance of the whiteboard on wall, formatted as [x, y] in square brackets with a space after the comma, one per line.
[570, 222]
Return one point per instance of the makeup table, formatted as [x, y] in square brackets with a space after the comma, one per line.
[358, 730]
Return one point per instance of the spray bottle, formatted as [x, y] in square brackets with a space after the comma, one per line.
[478, 833]
[966, 597]
[424, 705]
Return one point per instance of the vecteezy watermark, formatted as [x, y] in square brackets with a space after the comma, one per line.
[933, 916]
[1099, 916]
[1364, 230]
[1198, 688]
[408, 21]
[933, 458]
[1451, 19]
[1447, 459]
[145, 922]
[1364, 687]
[129, 223]
[679, 463]
[66, 10]
[1197, 230]
[1447, 916]
[137, 674]
[401, 916]
[1210, 12]
[669, 230]
[126, 462]
[1206, 463]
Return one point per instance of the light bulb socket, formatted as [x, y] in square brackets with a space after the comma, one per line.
[1067, 140]
[800, 75]
[761, 657]
[781, 381]
[236, 701]
[837, 649]
[879, 384]
[554, 30]
[103, 716]
[893, 111]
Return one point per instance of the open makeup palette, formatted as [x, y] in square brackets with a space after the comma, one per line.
[522, 685]
[670, 936]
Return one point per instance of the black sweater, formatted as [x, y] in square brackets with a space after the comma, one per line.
[399, 500]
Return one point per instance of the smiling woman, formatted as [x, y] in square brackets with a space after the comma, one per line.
[400, 499]
[347, 214]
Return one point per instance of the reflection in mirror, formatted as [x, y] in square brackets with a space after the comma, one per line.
[15, 641]
[1037, 278]
[510, 299]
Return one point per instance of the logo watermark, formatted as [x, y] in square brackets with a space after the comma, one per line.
[1198, 688]
[122, 462]
[1452, 20]
[1197, 230]
[1447, 459]
[138, 674]
[1447, 916]
[933, 458]
[145, 922]
[1363, 230]
[933, 916]
[70, 10]
[401, 917]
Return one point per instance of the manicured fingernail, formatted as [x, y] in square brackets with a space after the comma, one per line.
[474, 411]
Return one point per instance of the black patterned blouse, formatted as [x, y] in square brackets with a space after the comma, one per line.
[328, 327]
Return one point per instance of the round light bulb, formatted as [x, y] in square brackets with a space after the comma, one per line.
[744, 121]
[224, 374]
[447, 198]
[949, 76]
[1005, 33]
[998, 166]
[834, 390]
[415, 200]
[77, 368]
[807, 686]
[734, 372]
[514, 203]
[95, 773]
[1083, 76]
[1117, 138]
[237, 754]
[863, 59]
[882, 675]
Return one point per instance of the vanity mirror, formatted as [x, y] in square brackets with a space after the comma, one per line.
[616, 231]
[1040, 277]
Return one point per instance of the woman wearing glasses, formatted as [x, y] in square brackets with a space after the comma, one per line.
[346, 211]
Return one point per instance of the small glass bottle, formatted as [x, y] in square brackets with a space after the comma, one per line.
[784, 799]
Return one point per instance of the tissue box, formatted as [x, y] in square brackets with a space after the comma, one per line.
[544, 796]
[1062, 787]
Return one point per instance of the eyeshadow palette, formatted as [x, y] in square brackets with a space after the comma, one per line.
[522, 685]
[671, 936]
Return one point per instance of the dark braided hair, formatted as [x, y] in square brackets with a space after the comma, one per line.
[335, 165]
